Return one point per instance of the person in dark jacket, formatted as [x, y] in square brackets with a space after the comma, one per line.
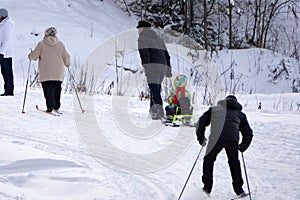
[226, 120]
[156, 62]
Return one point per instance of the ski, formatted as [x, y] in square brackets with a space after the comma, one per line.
[50, 113]
[241, 197]
[206, 193]
[57, 112]
[246, 195]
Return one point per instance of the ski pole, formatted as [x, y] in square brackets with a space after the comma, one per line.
[82, 110]
[26, 87]
[246, 176]
[190, 174]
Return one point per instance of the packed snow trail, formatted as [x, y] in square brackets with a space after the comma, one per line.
[43, 149]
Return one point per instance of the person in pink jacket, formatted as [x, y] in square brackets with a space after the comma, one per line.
[52, 58]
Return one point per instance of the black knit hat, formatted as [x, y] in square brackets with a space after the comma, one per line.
[143, 24]
[231, 97]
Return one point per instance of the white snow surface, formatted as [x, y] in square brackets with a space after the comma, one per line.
[47, 158]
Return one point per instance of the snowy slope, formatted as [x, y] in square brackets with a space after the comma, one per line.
[62, 158]
[254, 71]
[82, 26]
[43, 157]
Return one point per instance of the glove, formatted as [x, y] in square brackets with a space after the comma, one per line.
[1, 56]
[243, 147]
[203, 142]
[169, 72]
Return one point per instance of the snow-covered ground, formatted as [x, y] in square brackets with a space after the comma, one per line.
[111, 153]
[44, 157]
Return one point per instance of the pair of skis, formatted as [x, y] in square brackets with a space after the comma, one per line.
[237, 197]
[55, 113]
[243, 196]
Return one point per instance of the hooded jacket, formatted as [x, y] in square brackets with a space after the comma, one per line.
[7, 37]
[53, 57]
[227, 120]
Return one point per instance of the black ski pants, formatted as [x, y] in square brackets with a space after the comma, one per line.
[155, 74]
[52, 93]
[155, 90]
[156, 102]
[231, 148]
[7, 73]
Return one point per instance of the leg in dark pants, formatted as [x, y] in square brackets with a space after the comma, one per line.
[231, 148]
[155, 75]
[156, 100]
[57, 94]
[208, 165]
[155, 94]
[7, 73]
[52, 91]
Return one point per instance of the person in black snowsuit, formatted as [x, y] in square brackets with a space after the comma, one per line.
[156, 62]
[227, 120]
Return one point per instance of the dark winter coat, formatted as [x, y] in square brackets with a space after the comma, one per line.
[153, 52]
[227, 120]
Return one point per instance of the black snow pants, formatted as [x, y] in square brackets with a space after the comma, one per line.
[155, 74]
[8, 77]
[52, 92]
[231, 148]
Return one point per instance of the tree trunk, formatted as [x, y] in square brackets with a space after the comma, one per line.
[185, 25]
[191, 12]
[258, 39]
[276, 6]
[230, 23]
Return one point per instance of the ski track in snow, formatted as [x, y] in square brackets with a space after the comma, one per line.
[43, 157]
[34, 132]
[272, 160]
[50, 134]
